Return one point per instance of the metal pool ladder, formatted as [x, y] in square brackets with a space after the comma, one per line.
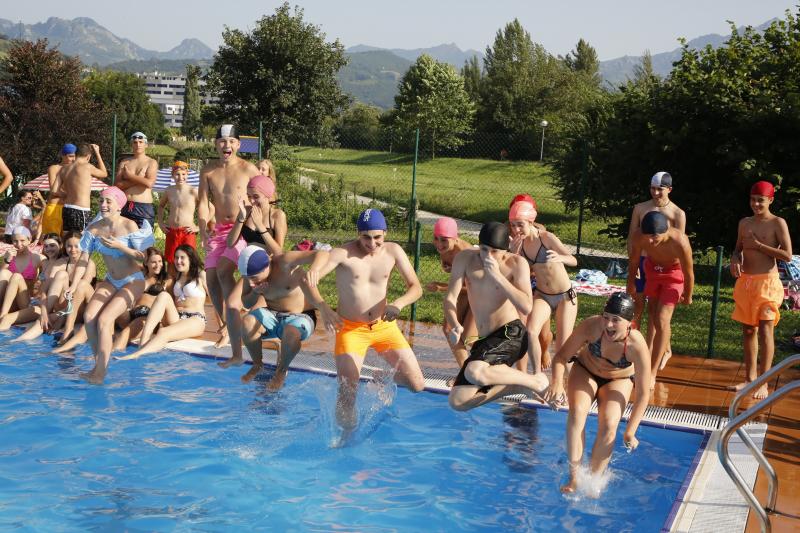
[735, 425]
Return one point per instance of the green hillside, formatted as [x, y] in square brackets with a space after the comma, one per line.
[372, 77]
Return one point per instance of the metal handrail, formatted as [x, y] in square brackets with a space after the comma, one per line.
[735, 424]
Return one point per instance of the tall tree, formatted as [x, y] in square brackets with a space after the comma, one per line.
[192, 124]
[583, 60]
[125, 94]
[471, 72]
[723, 119]
[359, 127]
[432, 98]
[643, 73]
[43, 105]
[283, 73]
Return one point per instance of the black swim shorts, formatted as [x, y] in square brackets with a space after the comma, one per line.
[138, 212]
[504, 346]
[75, 219]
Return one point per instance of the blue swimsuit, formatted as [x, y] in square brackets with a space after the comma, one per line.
[138, 240]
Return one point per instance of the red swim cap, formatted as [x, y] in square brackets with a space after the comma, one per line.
[522, 211]
[523, 198]
[763, 188]
[446, 227]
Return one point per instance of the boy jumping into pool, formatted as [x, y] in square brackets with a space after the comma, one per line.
[225, 179]
[758, 294]
[499, 292]
[669, 272]
[289, 315]
[363, 268]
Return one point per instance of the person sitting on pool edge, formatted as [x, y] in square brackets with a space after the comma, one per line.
[499, 292]
[290, 316]
[611, 358]
[363, 268]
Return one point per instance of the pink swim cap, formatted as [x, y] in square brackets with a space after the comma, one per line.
[446, 227]
[522, 211]
[262, 184]
[116, 194]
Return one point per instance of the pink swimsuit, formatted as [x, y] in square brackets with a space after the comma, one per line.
[28, 274]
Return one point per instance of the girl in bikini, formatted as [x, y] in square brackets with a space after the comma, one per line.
[156, 281]
[55, 312]
[611, 358]
[548, 259]
[17, 278]
[261, 224]
[182, 318]
[121, 243]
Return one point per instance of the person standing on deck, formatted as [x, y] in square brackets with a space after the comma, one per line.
[136, 177]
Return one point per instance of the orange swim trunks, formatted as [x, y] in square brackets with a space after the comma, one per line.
[757, 297]
[356, 338]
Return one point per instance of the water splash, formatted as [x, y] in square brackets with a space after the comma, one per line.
[591, 485]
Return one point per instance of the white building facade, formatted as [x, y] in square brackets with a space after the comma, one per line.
[166, 91]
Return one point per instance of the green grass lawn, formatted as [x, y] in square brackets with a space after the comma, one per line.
[471, 189]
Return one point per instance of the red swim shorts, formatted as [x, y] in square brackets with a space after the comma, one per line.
[665, 284]
[176, 237]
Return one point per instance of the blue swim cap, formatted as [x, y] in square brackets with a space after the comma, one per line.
[253, 260]
[69, 149]
[371, 219]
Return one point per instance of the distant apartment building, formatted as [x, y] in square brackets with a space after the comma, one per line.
[166, 91]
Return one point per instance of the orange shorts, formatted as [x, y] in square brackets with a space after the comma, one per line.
[757, 297]
[356, 338]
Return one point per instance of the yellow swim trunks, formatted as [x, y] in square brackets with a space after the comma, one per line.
[757, 297]
[51, 219]
[356, 337]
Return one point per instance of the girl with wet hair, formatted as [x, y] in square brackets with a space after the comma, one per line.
[611, 358]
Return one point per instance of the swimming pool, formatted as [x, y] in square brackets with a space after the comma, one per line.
[171, 442]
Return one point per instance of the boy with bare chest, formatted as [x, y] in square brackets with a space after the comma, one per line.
[136, 177]
[76, 187]
[179, 227]
[758, 294]
[499, 292]
[225, 181]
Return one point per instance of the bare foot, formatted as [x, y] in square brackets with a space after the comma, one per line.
[739, 386]
[6, 323]
[60, 348]
[546, 360]
[223, 339]
[251, 374]
[570, 487]
[238, 361]
[130, 357]
[539, 384]
[276, 383]
[93, 377]
[664, 360]
[761, 392]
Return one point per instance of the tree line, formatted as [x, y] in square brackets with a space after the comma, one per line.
[722, 119]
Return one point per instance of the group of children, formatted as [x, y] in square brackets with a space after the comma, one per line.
[500, 297]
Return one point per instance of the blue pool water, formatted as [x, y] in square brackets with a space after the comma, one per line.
[174, 443]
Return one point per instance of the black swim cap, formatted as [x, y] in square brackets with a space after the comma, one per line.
[494, 235]
[227, 130]
[620, 304]
[654, 223]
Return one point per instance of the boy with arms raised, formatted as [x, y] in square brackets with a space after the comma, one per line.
[76, 185]
[363, 268]
[225, 179]
[499, 292]
[669, 270]
[179, 227]
[758, 294]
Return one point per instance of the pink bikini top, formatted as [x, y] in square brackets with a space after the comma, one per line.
[28, 274]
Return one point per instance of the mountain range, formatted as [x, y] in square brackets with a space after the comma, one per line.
[371, 75]
[94, 44]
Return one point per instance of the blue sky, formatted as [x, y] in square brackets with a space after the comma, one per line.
[614, 28]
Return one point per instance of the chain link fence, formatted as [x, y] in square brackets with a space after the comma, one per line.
[474, 184]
